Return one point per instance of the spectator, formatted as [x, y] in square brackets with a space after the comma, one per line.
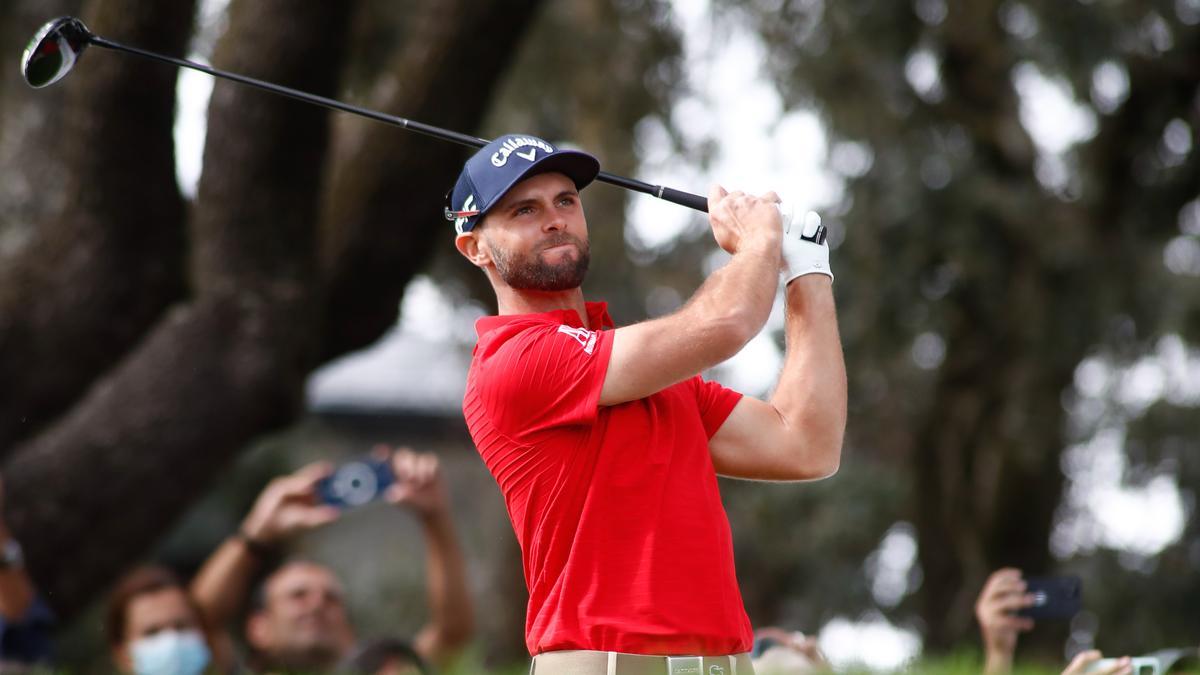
[387, 656]
[154, 627]
[781, 652]
[25, 621]
[996, 609]
[1002, 595]
[298, 619]
[1083, 661]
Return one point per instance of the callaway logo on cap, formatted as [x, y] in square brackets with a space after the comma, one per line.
[501, 164]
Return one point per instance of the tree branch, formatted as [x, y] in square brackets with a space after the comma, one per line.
[223, 369]
[382, 213]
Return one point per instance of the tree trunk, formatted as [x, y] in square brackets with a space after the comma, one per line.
[102, 269]
[229, 363]
[31, 129]
[383, 210]
[222, 369]
[987, 460]
[986, 455]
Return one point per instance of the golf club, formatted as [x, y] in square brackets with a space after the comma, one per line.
[60, 43]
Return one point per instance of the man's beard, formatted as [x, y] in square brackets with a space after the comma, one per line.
[527, 272]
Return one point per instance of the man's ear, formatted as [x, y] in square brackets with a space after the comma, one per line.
[473, 248]
[258, 631]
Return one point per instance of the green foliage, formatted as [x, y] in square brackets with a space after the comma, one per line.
[959, 232]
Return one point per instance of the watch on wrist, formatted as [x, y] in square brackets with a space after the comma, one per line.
[11, 555]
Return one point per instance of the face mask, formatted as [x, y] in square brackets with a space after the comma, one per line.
[171, 653]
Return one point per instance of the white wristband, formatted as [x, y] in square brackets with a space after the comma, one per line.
[804, 247]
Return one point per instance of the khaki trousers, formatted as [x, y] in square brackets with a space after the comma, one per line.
[584, 662]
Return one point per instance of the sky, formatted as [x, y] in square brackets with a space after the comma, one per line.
[763, 147]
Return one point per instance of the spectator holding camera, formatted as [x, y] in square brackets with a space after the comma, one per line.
[25, 621]
[152, 625]
[996, 610]
[1003, 595]
[298, 619]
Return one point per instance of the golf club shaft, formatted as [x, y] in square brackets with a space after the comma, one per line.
[675, 196]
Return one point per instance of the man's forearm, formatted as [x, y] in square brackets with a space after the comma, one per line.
[811, 393]
[727, 311]
[997, 663]
[224, 581]
[451, 617]
[742, 292]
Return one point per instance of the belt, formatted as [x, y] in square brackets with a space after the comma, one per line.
[586, 662]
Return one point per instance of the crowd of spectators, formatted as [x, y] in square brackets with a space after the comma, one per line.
[248, 611]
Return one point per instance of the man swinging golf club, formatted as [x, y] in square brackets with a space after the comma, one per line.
[605, 441]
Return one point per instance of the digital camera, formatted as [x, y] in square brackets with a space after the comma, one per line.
[356, 483]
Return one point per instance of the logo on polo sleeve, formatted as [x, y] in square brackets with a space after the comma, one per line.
[586, 338]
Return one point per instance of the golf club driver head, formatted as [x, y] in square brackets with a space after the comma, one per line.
[53, 51]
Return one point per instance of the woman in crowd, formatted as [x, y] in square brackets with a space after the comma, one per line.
[155, 628]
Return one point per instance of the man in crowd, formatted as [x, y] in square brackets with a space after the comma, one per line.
[606, 443]
[25, 621]
[298, 620]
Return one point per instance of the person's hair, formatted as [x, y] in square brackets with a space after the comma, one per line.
[138, 581]
[372, 656]
[258, 592]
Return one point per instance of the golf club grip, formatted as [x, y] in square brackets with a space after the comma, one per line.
[685, 199]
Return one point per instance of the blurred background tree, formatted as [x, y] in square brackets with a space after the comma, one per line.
[985, 266]
[146, 338]
[170, 331]
[1004, 293]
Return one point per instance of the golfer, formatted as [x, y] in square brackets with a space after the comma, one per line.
[605, 441]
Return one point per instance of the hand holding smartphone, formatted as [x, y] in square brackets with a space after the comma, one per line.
[1054, 598]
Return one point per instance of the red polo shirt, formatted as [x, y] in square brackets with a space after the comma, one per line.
[625, 543]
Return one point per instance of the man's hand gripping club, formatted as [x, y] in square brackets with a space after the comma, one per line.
[737, 216]
[804, 247]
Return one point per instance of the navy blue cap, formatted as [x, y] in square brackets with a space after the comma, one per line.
[501, 164]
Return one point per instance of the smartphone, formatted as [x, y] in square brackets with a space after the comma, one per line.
[1140, 665]
[1055, 598]
[356, 483]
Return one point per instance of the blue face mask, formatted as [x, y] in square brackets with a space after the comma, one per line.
[171, 652]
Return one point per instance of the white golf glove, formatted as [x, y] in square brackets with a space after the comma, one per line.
[804, 247]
